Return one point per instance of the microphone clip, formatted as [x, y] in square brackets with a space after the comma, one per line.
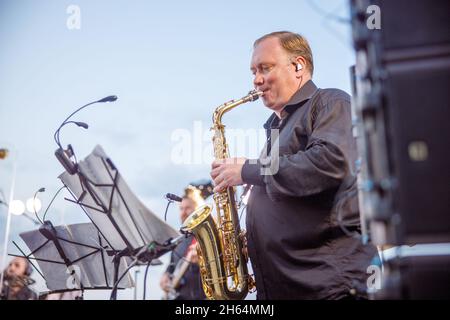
[64, 157]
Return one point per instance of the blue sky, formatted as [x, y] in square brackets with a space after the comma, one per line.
[170, 63]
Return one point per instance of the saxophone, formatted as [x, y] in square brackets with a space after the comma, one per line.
[223, 265]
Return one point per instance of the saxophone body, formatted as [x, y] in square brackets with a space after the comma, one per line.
[223, 266]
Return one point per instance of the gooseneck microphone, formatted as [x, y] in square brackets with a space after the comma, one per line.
[80, 124]
[64, 156]
[108, 99]
[34, 204]
[170, 196]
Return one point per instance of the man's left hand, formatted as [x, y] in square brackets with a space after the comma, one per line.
[227, 173]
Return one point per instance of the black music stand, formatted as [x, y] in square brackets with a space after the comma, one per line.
[128, 227]
[72, 257]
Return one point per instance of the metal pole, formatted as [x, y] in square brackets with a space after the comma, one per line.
[136, 272]
[8, 223]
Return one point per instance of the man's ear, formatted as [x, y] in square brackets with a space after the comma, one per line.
[300, 65]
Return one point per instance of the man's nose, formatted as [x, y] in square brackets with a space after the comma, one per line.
[258, 80]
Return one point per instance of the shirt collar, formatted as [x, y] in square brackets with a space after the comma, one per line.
[303, 94]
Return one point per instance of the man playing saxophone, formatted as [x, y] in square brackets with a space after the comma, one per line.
[299, 203]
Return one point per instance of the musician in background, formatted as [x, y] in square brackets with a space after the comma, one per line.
[182, 280]
[16, 281]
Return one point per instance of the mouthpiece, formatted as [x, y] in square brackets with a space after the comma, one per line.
[254, 95]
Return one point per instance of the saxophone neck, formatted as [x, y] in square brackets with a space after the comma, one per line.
[227, 106]
[221, 110]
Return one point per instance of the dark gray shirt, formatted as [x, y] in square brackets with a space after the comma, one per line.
[296, 244]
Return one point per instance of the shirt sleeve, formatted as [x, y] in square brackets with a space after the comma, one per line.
[323, 163]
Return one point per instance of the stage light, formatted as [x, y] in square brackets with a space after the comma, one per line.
[16, 207]
[34, 204]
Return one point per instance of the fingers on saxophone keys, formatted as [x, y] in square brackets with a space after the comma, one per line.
[220, 183]
[218, 188]
[214, 173]
[217, 163]
[217, 167]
